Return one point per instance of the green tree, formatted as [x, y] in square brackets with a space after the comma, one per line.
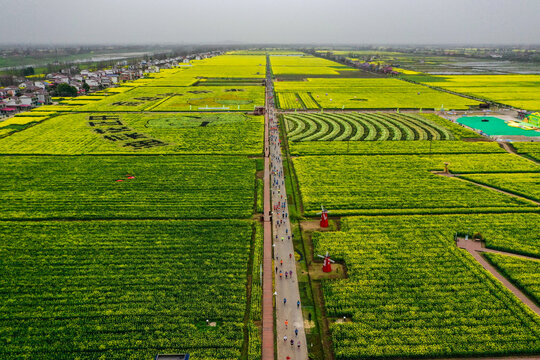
[28, 71]
[85, 86]
[64, 89]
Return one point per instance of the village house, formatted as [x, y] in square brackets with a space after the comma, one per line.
[11, 90]
[43, 97]
[93, 83]
[39, 84]
[113, 78]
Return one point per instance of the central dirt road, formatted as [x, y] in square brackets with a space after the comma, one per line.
[291, 337]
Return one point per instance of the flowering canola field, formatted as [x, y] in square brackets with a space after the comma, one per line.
[368, 93]
[128, 224]
[519, 91]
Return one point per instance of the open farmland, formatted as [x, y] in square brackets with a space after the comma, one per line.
[525, 184]
[140, 133]
[391, 148]
[409, 292]
[363, 127]
[448, 64]
[123, 290]
[136, 99]
[244, 98]
[230, 66]
[383, 93]
[306, 65]
[129, 219]
[222, 67]
[181, 76]
[379, 184]
[530, 149]
[522, 272]
[136, 282]
[151, 98]
[412, 293]
[162, 187]
[519, 91]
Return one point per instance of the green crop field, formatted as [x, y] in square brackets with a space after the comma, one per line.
[512, 232]
[531, 149]
[379, 184]
[383, 93]
[457, 129]
[123, 290]
[306, 65]
[391, 147]
[269, 51]
[363, 126]
[126, 223]
[136, 283]
[225, 66]
[230, 66]
[524, 184]
[411, 292]
[136, 99]
[244, 98]
[151, 98]
[181, 76]
[143, 133]
[163, 187]
[127, 216]
[520, 91]
[522, 272]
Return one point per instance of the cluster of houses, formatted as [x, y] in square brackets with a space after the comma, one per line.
[29, 94]
[375, 67]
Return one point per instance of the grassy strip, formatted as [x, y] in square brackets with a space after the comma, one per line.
[522, 273]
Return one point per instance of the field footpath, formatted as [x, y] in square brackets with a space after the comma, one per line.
[458, 176]
[511, 150]
[475, 248]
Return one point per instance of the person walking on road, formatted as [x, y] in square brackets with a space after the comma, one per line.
[286, 323]
[284, 301]
[298, 304]
[295, 332]
[285, 338]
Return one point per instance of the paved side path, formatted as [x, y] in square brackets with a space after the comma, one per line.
[291, 337]
[474, 248]
[267, 300]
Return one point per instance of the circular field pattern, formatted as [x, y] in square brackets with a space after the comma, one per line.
[363, 127]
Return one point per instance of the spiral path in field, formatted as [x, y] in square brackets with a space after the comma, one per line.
[363, 126]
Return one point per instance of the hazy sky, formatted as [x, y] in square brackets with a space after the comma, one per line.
[271, 21]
